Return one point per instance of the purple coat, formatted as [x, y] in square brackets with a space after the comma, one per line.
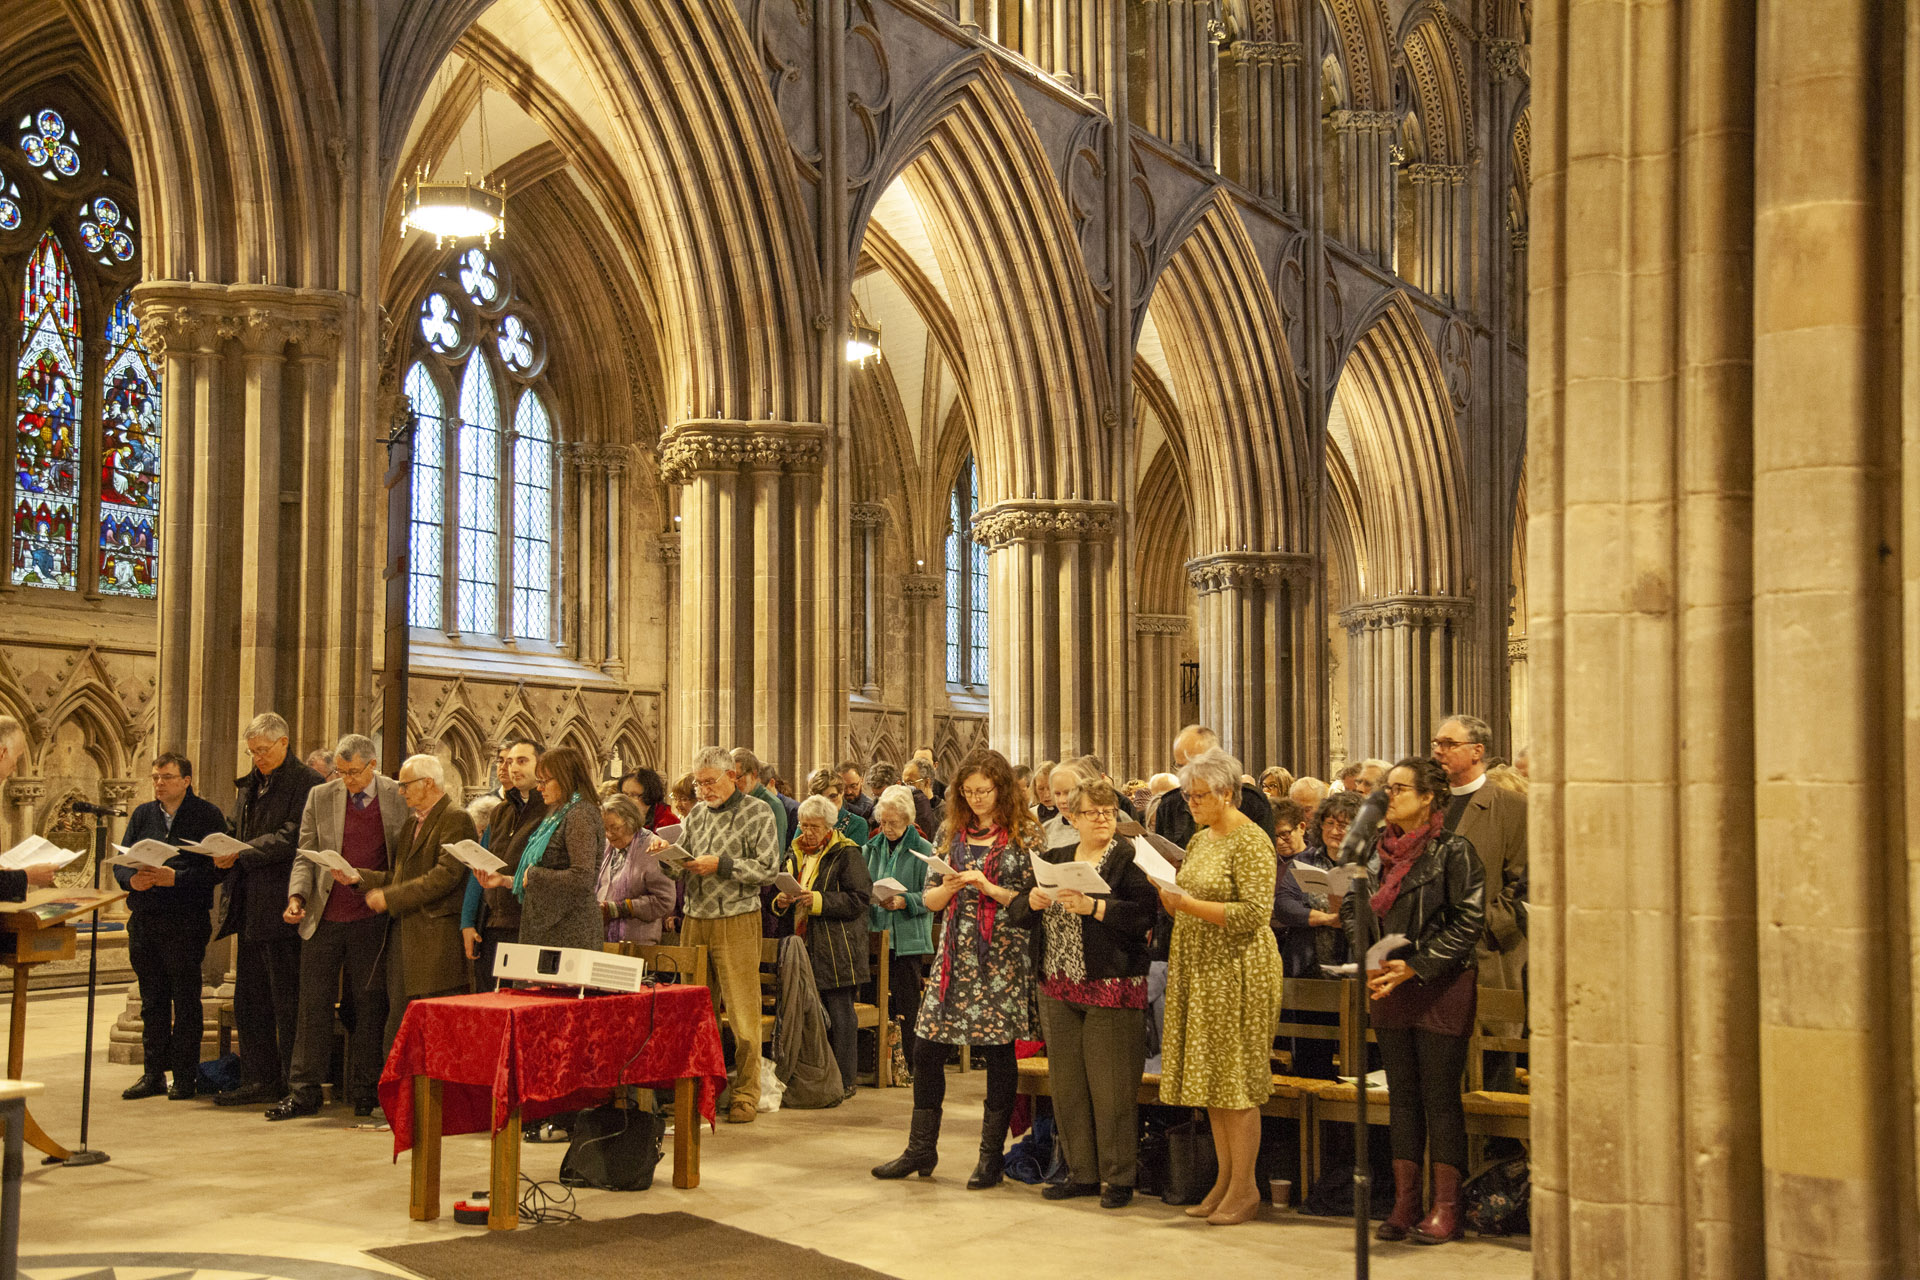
[632, 883]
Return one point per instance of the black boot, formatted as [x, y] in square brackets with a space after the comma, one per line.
[993, 1141]
[922, 1151]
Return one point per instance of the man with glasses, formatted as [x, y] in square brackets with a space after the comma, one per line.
[1173, 820]
[421, 894]
[735, 846]
[489, 917]
[266, 983]
[1494, 821]
[359, 815]
[169, 922]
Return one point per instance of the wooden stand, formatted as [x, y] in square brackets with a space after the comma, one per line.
[28, 939]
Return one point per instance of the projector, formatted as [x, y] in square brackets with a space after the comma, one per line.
[569, 967]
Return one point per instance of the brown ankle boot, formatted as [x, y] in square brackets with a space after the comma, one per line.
[1444, 1222]
[1406, 1202]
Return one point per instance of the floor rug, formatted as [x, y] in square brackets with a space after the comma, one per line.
[674, 1246]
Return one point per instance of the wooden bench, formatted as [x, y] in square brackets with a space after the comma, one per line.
[873, 1017]
[687, 964]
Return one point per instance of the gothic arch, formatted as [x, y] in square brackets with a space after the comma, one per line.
[1228, 354]
[1406, 458]
[1162, 543]
[1028, 321]
[1359, 28]
[1438, 80]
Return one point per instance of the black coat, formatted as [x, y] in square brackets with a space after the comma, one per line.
[1175, 821]
[1117, 947]
[837, 937]
[194, 875]
[1441, 908]
[266, 814]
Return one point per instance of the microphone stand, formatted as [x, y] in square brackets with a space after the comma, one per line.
[83, 1155]
[1353, 855]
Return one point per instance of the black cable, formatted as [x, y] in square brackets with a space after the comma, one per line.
[539, 1206]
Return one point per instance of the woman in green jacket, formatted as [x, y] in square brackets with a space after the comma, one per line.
[904, 916]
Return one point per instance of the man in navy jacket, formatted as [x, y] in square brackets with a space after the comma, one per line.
[170, 921]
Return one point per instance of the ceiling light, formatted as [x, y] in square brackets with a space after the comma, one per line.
[863, 344]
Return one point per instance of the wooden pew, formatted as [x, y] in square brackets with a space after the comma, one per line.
[686, 964]
[873, 1017]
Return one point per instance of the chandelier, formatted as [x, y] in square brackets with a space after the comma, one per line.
[464, 210]
[863, 344]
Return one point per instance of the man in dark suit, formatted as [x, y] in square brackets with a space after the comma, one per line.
[1494, 821]
[170, 919]
[359, 815]
[1173, 820]
[266, 985]
[422, 893]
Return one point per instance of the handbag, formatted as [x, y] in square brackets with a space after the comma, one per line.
[1192, 1165]
[613, 1148]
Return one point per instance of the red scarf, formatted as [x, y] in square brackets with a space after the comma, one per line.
[1399, 850]
[958, 855]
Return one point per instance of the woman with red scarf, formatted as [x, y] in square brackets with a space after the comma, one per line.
[1432, 890]
[980, 991]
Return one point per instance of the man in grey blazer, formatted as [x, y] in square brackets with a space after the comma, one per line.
[1494, 821]
[359, 815]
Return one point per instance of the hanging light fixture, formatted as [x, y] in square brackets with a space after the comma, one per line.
[464, 210]
[863, 344]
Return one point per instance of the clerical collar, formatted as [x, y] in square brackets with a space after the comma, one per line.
[1471, 787]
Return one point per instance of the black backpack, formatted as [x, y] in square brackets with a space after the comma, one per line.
[612, 1148]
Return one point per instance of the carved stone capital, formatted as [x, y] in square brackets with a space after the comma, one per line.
[669, 544]
[117, 791]
[194, 318]
[868, 515]
[1248, 570]
[1437, 174]
[1405, 611]
[26, 791]
[1267, 53]
[1516, 648]
[712, 445]
[1044, 520]
[1161, 624]
[263, 334]
[1517, 240]
[920, 586]
[1505, 60]
[1364, 121]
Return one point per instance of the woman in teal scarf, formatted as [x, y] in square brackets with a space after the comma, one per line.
[560, 862]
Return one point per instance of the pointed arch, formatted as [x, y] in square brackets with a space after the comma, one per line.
[1360, 29]
[1162, 542]
[1028, 318]
[1406, 458]
[1227, 350]
[1439, 83]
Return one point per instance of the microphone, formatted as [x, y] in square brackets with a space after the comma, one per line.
[99, 810]
[1354, 848]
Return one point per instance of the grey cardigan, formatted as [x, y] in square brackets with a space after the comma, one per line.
[560, 909]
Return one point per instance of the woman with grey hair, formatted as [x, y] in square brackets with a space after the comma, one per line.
[904, 916]
[1223, 981]
[1064, 784]
[830, 912]
[636, 895]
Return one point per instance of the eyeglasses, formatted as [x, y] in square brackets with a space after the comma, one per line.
[1399, 788]
[1104, 813]
[978, 793]
[404, 783]
[1201, 794]
[1448, 744]
[355, 772]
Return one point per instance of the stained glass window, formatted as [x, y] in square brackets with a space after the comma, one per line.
[532, 519]
[429, 481]
[129, 460]
[478, 563]
[50, 146]
[966, 565]
[46, 512]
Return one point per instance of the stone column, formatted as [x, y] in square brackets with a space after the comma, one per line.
[1156, 688]
[117, 793]
[615, 458]
[1517, 689]
[925, 679]
[673, 737]
[263, 346]
[1408, 657]
[1362, 162]
[25, 795]
[1052, 647]
[754, 639]
[1436, 225]
[1259, 126]
[869, 519]
[1255, 672]
[1176, 91]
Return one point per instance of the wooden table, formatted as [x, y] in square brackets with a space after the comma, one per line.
[13, 1111]
[488, 1063]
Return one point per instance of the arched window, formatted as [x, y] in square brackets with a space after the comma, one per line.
[86, 480]
[482, 561]
[966, 584]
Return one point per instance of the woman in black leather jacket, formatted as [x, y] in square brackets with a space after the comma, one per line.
[1430, 887]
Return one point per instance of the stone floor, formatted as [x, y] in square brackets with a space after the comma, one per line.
[187, 1178]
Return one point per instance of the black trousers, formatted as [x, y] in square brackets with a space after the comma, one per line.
[266, 1007]
[930, 1074]
[490, 940]
[1424, 1074]
[336, 951]
[165, 951]
[906, 975]
[843, 1031]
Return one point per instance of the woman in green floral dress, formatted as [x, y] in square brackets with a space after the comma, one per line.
[1223, 982]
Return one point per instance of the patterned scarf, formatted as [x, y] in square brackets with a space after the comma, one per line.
[959, 852]
[536, 848]
[1399, 850]
[1066, 955]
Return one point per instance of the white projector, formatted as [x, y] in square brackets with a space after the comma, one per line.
[569, 967]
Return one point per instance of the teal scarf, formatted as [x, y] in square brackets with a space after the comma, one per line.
[537, 846]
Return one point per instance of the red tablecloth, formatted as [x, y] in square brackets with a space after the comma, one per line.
[547, 1054]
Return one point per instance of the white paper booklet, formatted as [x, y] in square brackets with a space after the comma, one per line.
[673, 855]
[38, 851]
[218, 846]
[1154, 863]
[791, 887]
[1376, 957]
[1333, 882]
[145, 853]
[474, 854]
[1083, 876]
[888, 888]
[937, 863]
[331, 860]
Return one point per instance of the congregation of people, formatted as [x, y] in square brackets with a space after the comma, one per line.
[981, 956]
